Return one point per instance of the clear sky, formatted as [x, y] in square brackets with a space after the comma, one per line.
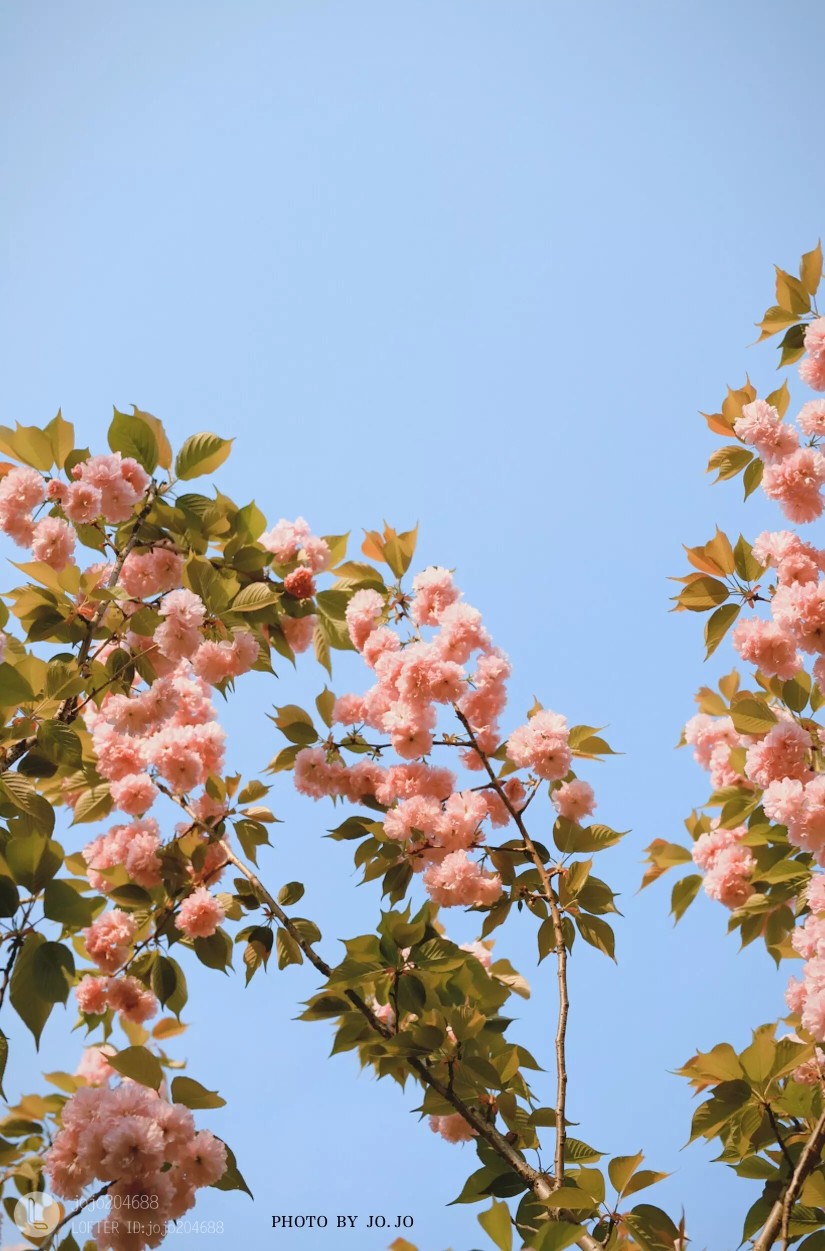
[472, 264]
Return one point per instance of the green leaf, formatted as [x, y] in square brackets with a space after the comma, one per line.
[191, 1094]
[717, 626]
[232, 1178]
[140, 1064]
[29, 444]
[93, 804]
[570, 837]
[703, 593]
[729, 461]
[60, 743]
[14, 689]
[290, 894]
[556, 1236]
[598, 933]
[33, 860]
[757, 1059]
[132, 436]
[683, 894]
[201, 454]
[53, 970]
[810, 269]
[288, 950]
[752, 476]
[254, 597]
[497, 1223]
[215, 951]
[746, 564]
[570, 1197]
[60, 434]
[29, 1004]
[751, 715]
[9, 897]
[622, 1168]
[62, 902]
[645, 1177]
[792, 345]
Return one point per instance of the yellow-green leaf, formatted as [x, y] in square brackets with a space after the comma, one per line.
[200, 454]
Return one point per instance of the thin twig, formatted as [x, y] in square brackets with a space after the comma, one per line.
[560, 950]
[98, 1194]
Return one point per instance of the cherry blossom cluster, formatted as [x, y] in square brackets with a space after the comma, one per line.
[105, 488]
[416, 678]
[146, 1149]
[807, 997]
[797, 606]
[794, 472]
[727, 865]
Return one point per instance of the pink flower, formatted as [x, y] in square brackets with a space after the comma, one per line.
[574, 799]
[298, 632]
[94, 1066]
[409, 726]
[420, 814]
[812, 372]
[204, 1161]
[217, 662]
[292, 540]
[458, 880]
[481, 953]
[109, 938]
[134, 793]
[766, 645]
[131, 999]
[348, 710]
[363, 614]
[434, 591]
[300, 583]
[762, 427]
[811, 418]
[799, 610]
[795, 483]
[200, 914]
[453, 1127]
[782, 753]
[542, 745]
[728, 866]
[461, 633]
[90, 993]
[53, 542]
[145, 574]
[815, 893]
[784, 802]
[82, 503]
[121, 482]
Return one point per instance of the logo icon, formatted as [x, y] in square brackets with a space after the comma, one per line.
[37, 1214]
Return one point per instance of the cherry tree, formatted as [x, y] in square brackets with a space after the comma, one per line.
[111, 661]
[759, 839]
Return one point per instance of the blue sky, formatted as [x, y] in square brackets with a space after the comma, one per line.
[475, 265]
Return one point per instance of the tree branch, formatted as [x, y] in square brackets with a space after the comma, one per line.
[559, 947]
[777, 1223]
[98, 1194]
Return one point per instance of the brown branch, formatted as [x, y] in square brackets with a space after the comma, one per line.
[541, 1185]
[559, 947]
[98, 1194]
[777, 1223]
